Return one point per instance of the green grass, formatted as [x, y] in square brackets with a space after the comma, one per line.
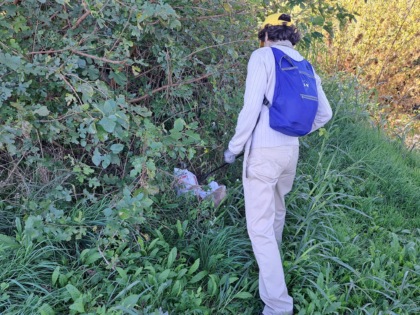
[350, 245]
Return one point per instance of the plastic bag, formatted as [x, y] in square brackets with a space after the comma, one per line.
[186, 182]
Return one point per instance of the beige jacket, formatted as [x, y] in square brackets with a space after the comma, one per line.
[260, 81]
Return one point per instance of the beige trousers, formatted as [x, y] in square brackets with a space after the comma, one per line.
[268, 177]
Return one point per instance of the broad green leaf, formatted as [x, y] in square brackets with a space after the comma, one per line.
[164, 275]
[333, 308]
[78, 305]
[179, 124]
[42, 111]
[176, 288]
[63, 279]
[46, 309]
[119, 77]
[172, 256]
[117, 148]
[8, 241]
[93, 257]
[194, 267]
[108, 124]
[198, 276]
[130, 300]
[87, 92]
[243, 295]
[179, 228]
[176, 135]
[106, 161]
[55, 275]
[142, 111]
[122, 273]
[73, 291]
[97, 157]
[109, 107]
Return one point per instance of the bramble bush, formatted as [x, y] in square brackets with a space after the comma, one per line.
[103, 100]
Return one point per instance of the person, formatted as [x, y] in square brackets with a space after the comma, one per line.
[270, 159]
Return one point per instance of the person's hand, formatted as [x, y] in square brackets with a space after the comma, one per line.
[229, 157]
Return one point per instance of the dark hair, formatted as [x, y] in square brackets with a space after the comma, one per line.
[281, 32]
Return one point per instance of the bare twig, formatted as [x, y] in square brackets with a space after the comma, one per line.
[77, 52]
[51, 51]
[138, 99]
[56, 119]
[104, 258]
[122, 32]
[71, 87]
[115, 62]
[80, 19]
[4, 183]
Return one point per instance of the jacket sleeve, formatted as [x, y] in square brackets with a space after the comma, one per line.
[255, 87]
[324, 113]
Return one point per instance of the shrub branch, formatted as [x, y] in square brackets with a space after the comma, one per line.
[138, 99]
[77, 52]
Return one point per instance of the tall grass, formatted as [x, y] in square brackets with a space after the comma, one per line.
[350, 246]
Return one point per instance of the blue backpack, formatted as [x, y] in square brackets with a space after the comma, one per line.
[295, 100]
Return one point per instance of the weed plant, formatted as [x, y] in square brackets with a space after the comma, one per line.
[350, 245]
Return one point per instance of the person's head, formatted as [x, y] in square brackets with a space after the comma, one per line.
[279, 27]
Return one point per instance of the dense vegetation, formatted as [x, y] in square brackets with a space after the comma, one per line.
[99, 101]
[381, 47]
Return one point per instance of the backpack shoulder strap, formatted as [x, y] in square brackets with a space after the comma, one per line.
[284, 62]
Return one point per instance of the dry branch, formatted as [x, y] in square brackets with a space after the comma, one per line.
[80, 19]
[77, 52]
[138, 99]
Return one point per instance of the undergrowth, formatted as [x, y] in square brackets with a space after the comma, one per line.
[351, 241]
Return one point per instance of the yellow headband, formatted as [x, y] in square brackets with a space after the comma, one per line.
[273, 19]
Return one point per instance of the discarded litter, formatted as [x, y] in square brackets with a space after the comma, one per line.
[186, 182]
